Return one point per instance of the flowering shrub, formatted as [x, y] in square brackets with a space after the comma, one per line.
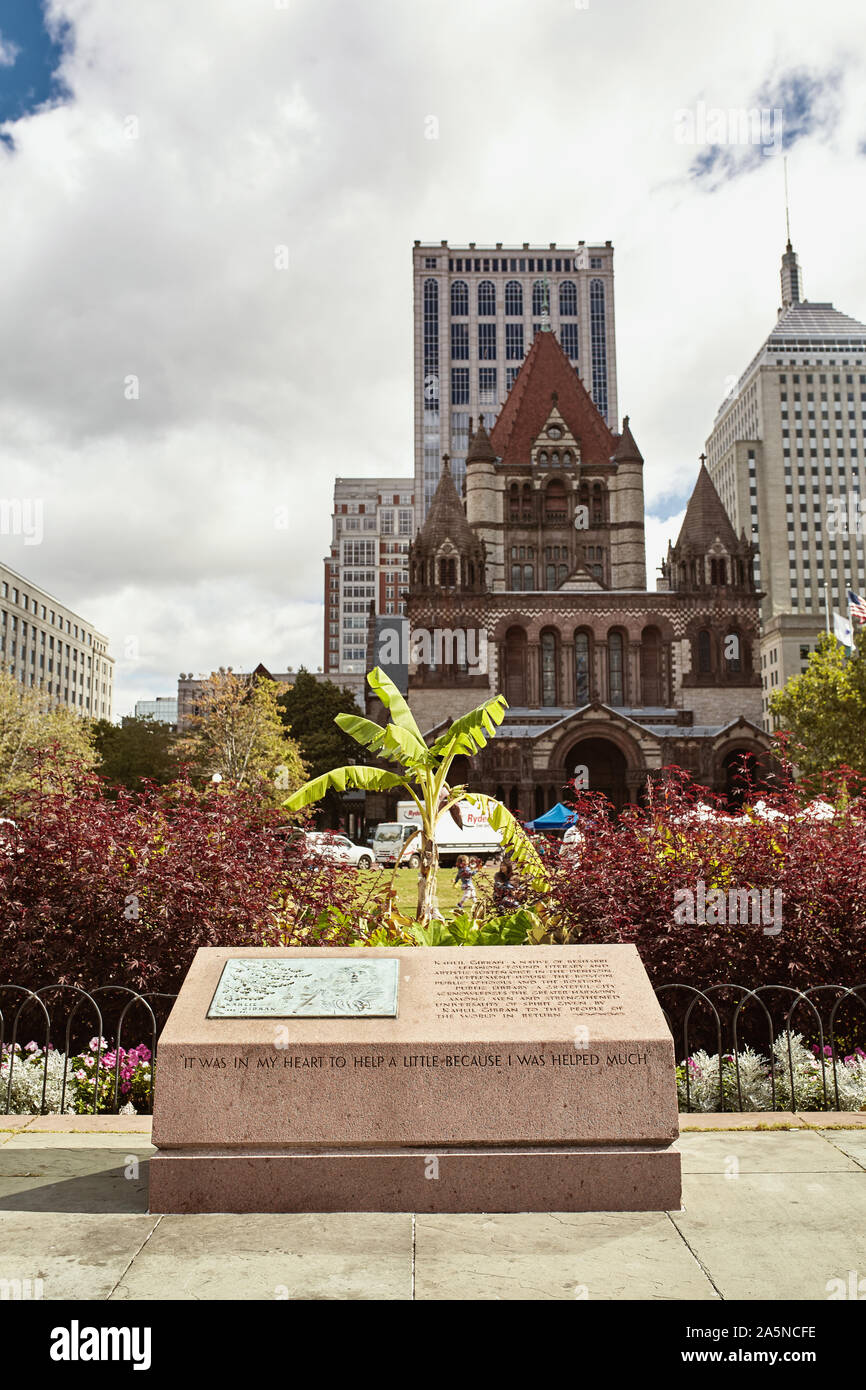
[698, 1079]
[626, 879]
[123, 891]
[27, 1078]
[91, 1071]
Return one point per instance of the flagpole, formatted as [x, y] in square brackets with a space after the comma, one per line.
[827, 607]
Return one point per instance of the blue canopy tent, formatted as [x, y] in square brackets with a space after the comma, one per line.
[559, 817]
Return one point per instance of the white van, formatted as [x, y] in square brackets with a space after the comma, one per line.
[477, 837]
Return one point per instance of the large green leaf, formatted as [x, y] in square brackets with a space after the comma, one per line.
[393, 701]
[468, 731]
[371, 779]
[514, 837]
[400, 745]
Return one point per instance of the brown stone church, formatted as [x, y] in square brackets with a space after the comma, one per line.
[533, 585]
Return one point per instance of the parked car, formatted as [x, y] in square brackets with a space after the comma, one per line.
[338, 848]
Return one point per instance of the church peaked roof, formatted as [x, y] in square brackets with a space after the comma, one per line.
[527, 408]
[626, 450]
[446, 519]
[706, 518]
[480, 448]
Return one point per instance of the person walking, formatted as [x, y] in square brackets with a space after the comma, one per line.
[466, 871]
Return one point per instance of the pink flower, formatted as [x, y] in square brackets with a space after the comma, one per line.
[32, 1047]
[81, 1075]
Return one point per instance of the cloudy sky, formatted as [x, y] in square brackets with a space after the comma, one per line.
[167, 389]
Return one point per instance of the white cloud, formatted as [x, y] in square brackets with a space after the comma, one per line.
[8, 52]
[139, 233]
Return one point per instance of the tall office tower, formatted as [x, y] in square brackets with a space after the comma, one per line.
[373, 522]
[477, 311]
[786, 454]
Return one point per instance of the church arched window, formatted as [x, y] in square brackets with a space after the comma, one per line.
[555, 504]
[581, 668]
[615, 668]
[705, 652]
[549, 669]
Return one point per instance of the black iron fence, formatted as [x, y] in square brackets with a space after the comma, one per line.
[720, 1019]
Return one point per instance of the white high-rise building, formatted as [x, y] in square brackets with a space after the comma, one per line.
[47, 646]
[372, 525]
[477, 311]
[786, 454]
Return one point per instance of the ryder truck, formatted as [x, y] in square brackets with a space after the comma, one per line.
[477, 837]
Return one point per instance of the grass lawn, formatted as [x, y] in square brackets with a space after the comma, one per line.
[406, 882]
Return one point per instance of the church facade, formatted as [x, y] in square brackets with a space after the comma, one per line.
[533, 585]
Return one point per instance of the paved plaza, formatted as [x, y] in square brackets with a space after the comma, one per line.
[774, 1206]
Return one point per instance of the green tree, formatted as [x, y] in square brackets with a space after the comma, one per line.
[31, 726]
[309, 709]
[135, 749]
[824, 709]
[424, 778]
[238, 735]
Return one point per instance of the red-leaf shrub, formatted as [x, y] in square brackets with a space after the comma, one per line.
[623, 884]
[96, 891]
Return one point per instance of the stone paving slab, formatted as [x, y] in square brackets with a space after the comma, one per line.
[833, 1119]
[749, 1119]
[566, 1255]
[736, 1151]
[76, 1256]
[91, 1124]
[324, 1256]
[775, 1235]
[851, 1142]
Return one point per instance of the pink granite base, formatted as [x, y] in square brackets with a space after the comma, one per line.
[608, 1178]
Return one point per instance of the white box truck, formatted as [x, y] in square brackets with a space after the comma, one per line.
[477, 836]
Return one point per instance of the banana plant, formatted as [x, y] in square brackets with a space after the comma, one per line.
[423, 776]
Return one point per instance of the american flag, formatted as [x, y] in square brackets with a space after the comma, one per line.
[857, 607]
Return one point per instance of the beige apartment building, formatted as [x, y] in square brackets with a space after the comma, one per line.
[48, 647]
[477, 311]
[786, 454]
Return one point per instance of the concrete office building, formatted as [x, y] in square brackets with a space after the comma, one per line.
[786, 454]
[49, 647]
[477, 311]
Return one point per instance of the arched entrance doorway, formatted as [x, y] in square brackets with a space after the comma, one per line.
[606, 768]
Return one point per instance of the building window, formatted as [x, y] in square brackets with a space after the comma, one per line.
[598, 343]
[615, 669]
[549, 693]
[386, 523]
[486, 299]
[581, 668]
[529, 577]
[514, 298]
[705, 652]
[460, 342]
[459, 299]
[459, 385]
[486, 342]
[405, 523]
[569, 338]
[568, 299]
[486, 385]
[514, 342]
